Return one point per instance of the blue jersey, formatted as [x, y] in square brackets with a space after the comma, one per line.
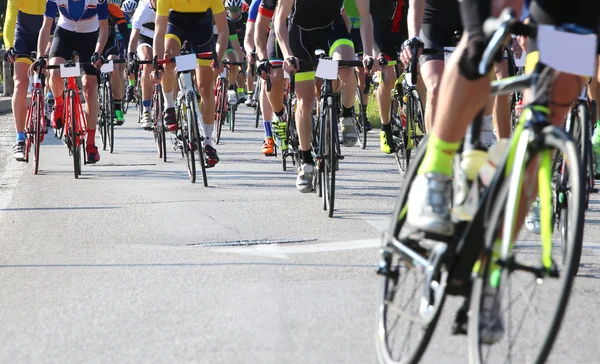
[253, 12]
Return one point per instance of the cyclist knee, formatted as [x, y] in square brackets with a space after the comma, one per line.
[471, 55]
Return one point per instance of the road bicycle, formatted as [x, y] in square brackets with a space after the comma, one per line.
[360, 110]
[189, 138]
[158, 129]
[482, 261]
[293, 141]
[74, 122]
[407, 117]
[326, 142]
[106, 123]
[35, 124]
[224, 110]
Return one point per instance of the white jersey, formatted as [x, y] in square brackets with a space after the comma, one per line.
[143, 19]
[86, 22]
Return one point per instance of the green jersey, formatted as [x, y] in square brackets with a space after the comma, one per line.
[352, 11]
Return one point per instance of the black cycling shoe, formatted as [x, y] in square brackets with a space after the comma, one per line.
[210, 156]
[368, 126]
[171, 119]
[129, 93]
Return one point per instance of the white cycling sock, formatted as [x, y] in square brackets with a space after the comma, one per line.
[169, 102]
[208, 130]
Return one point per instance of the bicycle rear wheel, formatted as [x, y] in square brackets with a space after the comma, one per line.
[404, 327]
[512, 280]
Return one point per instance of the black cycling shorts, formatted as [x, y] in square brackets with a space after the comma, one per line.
[196, 28]
[435, 38]
[112, 47]
[273, 51]
[357, 40]
[65, 43]
[389, 43]
[303, 42]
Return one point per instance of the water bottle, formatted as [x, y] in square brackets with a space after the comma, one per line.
[495, 156]
[466, 184]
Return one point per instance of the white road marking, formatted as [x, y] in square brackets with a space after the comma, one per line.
[282, 251]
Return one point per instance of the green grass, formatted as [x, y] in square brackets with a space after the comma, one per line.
[373, 111]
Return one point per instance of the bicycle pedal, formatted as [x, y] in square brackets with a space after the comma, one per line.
[340, 157]
[209, 165]
[594, 190]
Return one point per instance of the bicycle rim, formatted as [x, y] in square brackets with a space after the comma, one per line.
[516, 344]
[232, 110]
[413, 334]
[257, 104]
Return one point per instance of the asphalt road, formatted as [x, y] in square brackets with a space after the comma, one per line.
[133, 263]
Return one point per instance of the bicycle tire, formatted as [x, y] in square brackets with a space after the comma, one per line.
[110, 127]
[400, 135]
[359, 116]
[389, 286]
[37, 126]
[331, 157]
[554, 139]
[232, 125]
[102, 125]
[256, 94]
[73, 134]
[198, 138]
[188, 148]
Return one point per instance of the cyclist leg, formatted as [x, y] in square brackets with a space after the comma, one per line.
[342, 48]
[387, 43]
[231, 55]
[267, 114]
[277, 89]
[303, 44]
[174, 38]
[24, 44]
[144, 53]
[205, 76]
[111, 52]
[60, 51]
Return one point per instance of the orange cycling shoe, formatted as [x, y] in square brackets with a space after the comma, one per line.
[268, 146]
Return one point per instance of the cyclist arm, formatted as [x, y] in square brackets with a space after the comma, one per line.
[10, 23]
[44, 35]
[414, 19]
[223, 29]
[281, 29]
[235, 44]
[102, 36]
[366, 26]
[125, 30]
[346, 19]
[133, 41]
[160, 29]
[249, 37]
[260, 36]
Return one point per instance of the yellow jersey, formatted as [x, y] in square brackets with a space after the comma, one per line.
[30, 16]
[188, 6]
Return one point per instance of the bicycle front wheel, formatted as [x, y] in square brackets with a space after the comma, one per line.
[103, 119]
[110, 126]
[197, 143]
[38, 119]
[330, 157]
[73, 137]
[404, 328]
[185, 125]
[520, 292]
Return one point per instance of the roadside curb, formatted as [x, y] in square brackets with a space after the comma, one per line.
[5, 105]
